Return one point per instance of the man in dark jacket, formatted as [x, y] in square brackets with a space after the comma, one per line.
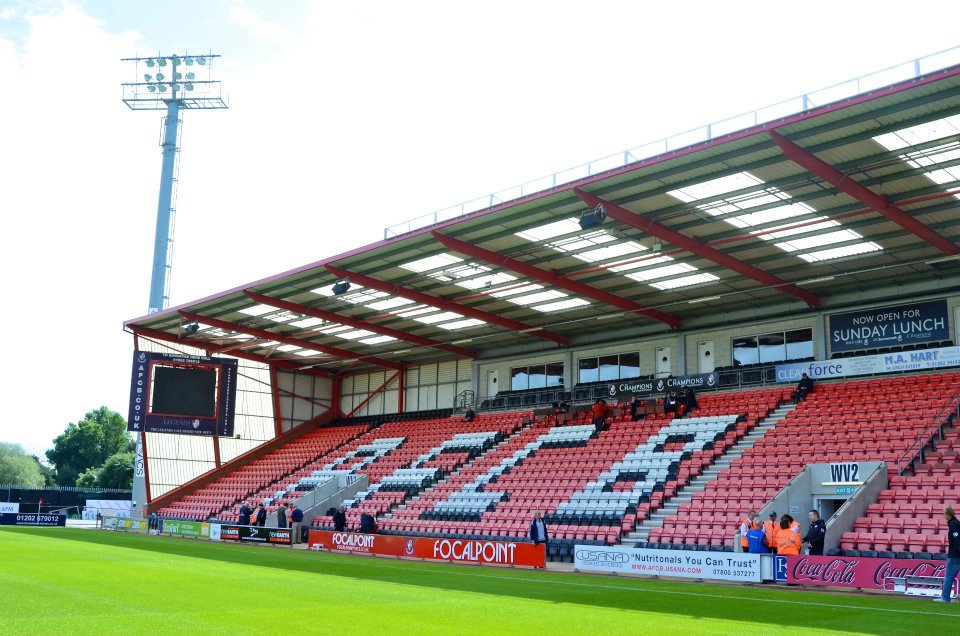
[538, 530]
[244, 514]
[368, 524]
[816, 533]
[281, 517]
[261, 519]
[953, 554]
[340, 520]
[804, 388]
[296, 523]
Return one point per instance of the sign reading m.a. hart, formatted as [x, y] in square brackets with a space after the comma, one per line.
[31, 519]
[720, 566]
[255, 534]
[889, 326]
[925, 360]
[181, 394]
[622, 390]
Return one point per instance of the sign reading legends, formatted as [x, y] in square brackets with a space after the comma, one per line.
[173, 393]
[889, 326]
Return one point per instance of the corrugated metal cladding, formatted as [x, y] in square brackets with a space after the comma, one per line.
[303, 397]
[427, 386]
[174, 460]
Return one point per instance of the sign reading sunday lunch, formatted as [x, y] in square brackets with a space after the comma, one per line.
[889, 326]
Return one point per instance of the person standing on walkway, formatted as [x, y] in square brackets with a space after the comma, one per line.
[953, 554]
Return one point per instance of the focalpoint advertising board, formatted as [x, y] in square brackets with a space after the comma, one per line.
[458, 550]
[718, 566]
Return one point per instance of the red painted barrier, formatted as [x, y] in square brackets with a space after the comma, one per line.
[458, 550]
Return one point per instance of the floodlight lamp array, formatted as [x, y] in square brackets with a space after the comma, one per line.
[160, 82]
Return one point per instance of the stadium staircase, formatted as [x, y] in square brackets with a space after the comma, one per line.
[702, 481]
[863, 420]
[262, 475]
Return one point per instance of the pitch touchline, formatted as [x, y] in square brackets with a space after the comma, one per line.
[656, 591]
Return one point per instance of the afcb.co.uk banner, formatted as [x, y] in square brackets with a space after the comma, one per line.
[854, 572]
[460, 550]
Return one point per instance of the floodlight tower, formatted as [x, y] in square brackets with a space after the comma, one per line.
[171, 83]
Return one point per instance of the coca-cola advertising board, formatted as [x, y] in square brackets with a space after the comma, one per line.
[459, 550]
[854, 572]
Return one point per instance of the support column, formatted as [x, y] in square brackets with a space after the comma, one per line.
[159, 278]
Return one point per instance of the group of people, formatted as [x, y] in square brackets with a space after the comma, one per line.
[289, 515]
[368, 525]
[781, 537]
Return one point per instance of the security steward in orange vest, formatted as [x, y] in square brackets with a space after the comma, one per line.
[770, 528]
[747, 524]
[788, 541]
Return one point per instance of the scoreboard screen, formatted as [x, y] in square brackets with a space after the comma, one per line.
[182, 394]
[183, 391]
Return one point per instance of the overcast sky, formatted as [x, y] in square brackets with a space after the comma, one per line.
[345, 117]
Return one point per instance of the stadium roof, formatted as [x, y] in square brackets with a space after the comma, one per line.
[850, 202]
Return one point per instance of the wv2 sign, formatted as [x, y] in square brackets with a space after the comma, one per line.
[845, 472]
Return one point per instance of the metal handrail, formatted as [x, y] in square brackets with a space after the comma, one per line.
[802, 103]
[916, 448]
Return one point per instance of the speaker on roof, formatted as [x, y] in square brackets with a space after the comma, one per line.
[593, 218]
[341, 287]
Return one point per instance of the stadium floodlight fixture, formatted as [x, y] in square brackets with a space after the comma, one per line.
[147, 77]
[161, 77]
[188, 60]
[151, 63]
[162, 61]
[162, 88]
[201, 60]
[191, 76]
[151, 88]
[188, 86]
[178, 76]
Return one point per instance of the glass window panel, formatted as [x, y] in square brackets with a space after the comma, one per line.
[538, 376]
[609, 367]
[519, 380]
[745, 351]
[799, 344]
[587, 370]
[555, 374]
[772, 347]
[629, 365]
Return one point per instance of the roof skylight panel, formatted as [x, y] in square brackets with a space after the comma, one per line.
[685, 281]
[623, 248]
[306, 323]
[283, 316]
[561, 305]
[519, 289]
[461, 324]
[389, 303]
[539, 297]
[437, 261]
[839, 252]
[287, 348]
[354, 334]
[258, 310]
[485, 281]
[550, 230]
[715, 187]
[308, 352]
[675, 269]
[331, 329]
[429, 319]
[802, 244]
[377, 340]
[645, 261]
[920, 134]
[416, 311]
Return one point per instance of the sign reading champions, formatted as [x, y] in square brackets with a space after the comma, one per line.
[218, 421]
[622, 390]
[889, 326]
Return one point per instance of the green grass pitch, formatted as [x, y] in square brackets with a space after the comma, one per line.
[66, 581]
